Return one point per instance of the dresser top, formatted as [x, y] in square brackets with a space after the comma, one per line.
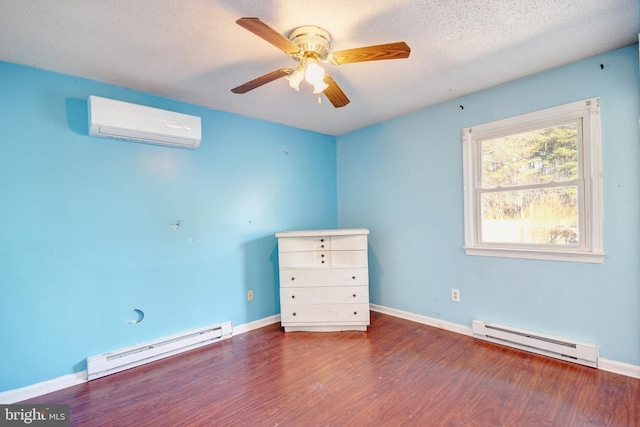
[337, 232]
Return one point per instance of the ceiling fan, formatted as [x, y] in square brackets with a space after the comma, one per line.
[311, 46]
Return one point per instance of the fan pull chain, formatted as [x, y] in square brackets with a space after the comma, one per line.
[319, 99]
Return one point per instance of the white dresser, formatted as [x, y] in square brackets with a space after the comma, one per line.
[324, 280]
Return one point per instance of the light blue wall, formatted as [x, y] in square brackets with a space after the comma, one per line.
[87, 231]
[402, 179]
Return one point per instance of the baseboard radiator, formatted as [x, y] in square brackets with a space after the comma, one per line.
[560, 348]
[130, 357]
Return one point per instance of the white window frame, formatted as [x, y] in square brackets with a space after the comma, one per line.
[591, 248]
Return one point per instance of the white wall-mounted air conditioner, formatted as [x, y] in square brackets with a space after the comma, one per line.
[109, 118]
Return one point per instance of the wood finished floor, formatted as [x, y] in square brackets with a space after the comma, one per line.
[399, 373]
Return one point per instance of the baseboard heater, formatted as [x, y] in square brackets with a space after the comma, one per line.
[560, 348]
[130, 357]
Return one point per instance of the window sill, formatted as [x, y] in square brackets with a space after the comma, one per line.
[586, 257]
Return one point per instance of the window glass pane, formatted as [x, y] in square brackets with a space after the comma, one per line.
[532, 157]
[537, 216]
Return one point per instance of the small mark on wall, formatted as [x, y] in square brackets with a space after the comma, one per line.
[136, 316]
[175, 226]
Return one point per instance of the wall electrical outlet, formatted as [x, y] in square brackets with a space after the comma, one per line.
[455, 295]
[249, 295]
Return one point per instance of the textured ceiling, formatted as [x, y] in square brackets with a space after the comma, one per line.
[193, 51]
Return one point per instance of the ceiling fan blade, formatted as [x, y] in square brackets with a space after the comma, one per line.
[398, 50]
[262, 30]
[274, 75]
[334, 93]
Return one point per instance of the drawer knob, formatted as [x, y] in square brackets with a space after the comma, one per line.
[294, 313]
[323, 261]
[322, 240]
[293, 296]
[355, 312]
[354, 295]
[322, 246]
[293, 278]
[322, 255]
[353, 277]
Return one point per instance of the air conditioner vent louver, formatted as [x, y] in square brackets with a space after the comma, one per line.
[109, 118]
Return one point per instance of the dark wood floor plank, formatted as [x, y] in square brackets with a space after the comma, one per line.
[399, 373]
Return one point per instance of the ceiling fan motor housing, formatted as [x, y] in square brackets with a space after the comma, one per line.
[312, 39]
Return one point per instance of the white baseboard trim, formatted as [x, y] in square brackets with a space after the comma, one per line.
[241, 329]
[49, 386]
[621, 368]
[429, 321]
[38, 389]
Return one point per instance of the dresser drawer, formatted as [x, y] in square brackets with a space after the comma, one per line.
[325, 313]
[323, 259]
[298, 277]
[305, 259]
[298, 244]
[324, 295]
[349, 259]
[322, 243]
[349, 243]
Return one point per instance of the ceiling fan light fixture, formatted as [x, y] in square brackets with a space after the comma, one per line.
[295, 78]
[314, 75]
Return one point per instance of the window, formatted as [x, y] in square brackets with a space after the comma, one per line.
[533, 185]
